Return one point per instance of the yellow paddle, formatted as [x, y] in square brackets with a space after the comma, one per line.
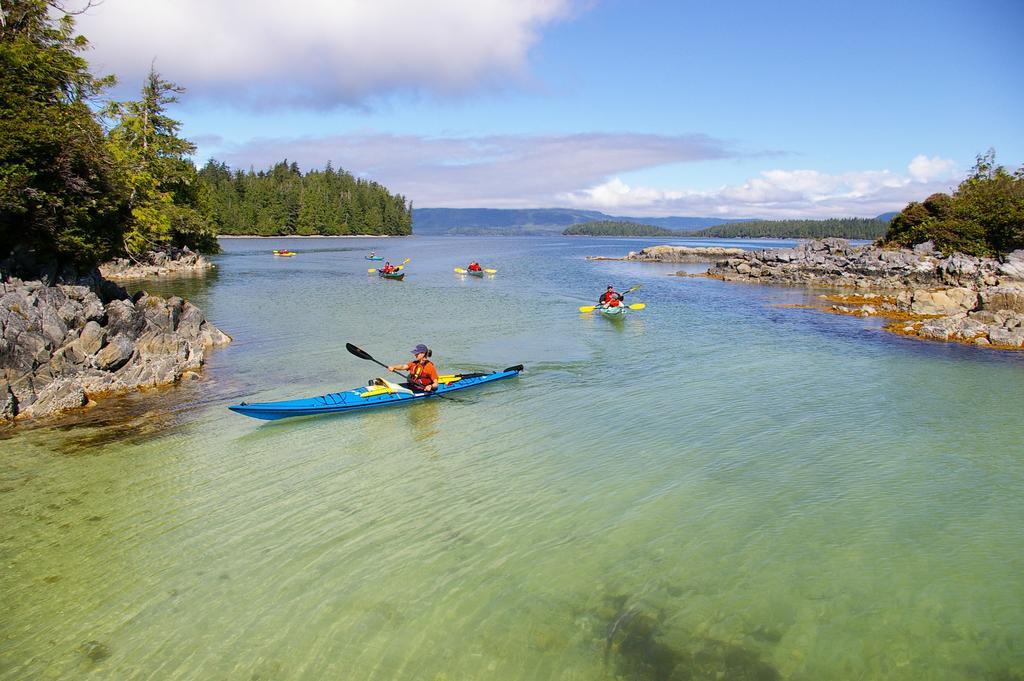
[591, 308]
[404, 262]
[459, 270]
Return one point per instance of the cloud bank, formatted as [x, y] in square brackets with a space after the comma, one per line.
[317, 53]
[781, 193]
[584, 171]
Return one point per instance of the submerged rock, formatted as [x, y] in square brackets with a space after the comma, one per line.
[636, 648]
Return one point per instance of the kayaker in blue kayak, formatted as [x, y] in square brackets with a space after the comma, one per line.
[422, 372]
[610, 298]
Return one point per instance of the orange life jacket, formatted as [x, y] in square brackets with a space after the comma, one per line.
[422, 375]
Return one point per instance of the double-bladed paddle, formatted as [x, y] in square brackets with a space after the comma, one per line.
[634, 306]
[398, 267]
[363, 354]
[459, 270]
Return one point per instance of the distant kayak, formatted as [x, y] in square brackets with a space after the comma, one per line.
[364, 397]
[285, 253]
[476, 273]
[374, 257]
[397, 276]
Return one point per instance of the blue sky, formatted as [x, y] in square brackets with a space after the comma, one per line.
[736, 109]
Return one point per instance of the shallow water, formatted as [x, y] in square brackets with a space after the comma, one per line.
[719, 486]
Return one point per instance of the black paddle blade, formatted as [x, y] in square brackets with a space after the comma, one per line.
[518, 367]
[359, 352]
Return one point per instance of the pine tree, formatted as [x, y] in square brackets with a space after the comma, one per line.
[167, 203]
[60, 193]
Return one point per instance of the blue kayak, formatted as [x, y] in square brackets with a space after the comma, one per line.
[364, 397]
[374, 257]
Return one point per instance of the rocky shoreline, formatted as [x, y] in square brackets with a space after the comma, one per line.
[679, 254]
[958, 298]
[64, 345]
[161, 263]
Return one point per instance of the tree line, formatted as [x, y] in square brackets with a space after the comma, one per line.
[616, 228]
[845, 228]
[283, 201]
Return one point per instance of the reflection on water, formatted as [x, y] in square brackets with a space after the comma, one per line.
[423, 419]
[715, 488]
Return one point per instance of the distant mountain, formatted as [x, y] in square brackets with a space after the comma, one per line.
[533, 221]
[886, 217]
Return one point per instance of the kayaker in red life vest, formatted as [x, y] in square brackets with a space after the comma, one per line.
[474, 266]
[388, 268]
[422, 372]
[610, 298]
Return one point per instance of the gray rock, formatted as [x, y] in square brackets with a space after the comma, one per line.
[115, 354]
[92, 339]
[123, 319]
[1013, 266]
[58, 344]
[943, 302]
[1013, 338]
[1004, 297]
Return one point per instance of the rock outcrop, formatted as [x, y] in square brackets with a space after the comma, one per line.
[60, 345]
[164, 262]
[955, 298]
[684, 254]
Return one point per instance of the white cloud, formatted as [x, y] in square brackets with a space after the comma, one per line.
[317, 53]
[924, 169]
[777, 194]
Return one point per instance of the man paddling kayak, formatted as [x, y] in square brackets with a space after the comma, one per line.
[422, 372]
[610, 298]
[474, 266]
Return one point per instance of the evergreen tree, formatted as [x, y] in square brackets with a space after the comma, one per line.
[984, 216]
[60, 192]
[168, 203]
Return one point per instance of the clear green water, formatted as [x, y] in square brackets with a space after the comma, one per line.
[717, 488]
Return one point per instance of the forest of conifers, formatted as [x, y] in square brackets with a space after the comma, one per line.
[283, 201]
[616, 228]
[846, 228]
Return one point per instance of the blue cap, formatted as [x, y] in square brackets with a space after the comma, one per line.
[419, 348]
